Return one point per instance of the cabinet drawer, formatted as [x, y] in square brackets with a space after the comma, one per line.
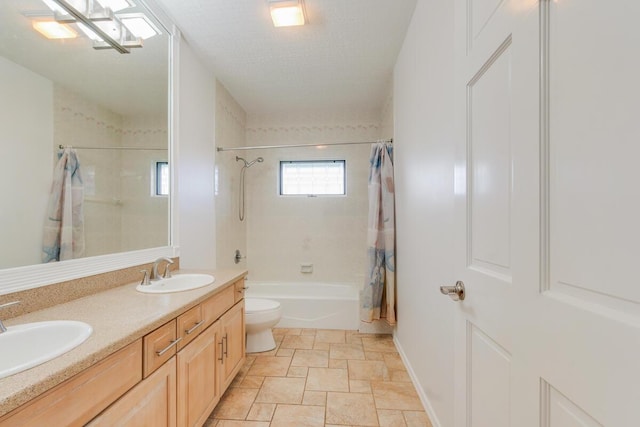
[159, 346]
[190, 324]
[216, 306]
[79, 399]
[240, 288]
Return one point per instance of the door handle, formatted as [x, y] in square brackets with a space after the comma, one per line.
[455, 292]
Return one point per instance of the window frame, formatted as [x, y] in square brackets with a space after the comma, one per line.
[339, 161]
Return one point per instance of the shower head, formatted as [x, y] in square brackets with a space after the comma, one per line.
[249, 164]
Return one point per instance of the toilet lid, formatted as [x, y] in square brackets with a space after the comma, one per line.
[252, 305]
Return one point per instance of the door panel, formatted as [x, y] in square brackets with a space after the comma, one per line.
[561, 412]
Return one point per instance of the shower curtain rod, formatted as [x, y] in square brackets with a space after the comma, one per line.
[62, 147]
[300, 145]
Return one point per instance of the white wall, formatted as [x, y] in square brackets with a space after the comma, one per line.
[26, 121]
[195, 162]
[328, 232]
[231, 233]
[424, 165]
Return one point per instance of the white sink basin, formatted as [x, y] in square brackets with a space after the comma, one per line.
[30, 344]
[177, 283]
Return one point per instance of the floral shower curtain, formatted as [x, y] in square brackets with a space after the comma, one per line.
[64, 225]
[378, 297]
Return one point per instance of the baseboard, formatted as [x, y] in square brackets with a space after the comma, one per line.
[414, 379]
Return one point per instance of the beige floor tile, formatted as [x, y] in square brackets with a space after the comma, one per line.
[287, 331]
[330, 336]
[282, 390]
[229, 423]
[251, 381]
[261, 412]
[235, 404]
[322, 346]
[311, 358]
[308, 332]
[390, 395]
[383, 345]
[298, 372]
[351, 408]
[391, 418]
[373, 355]
[327, 379]
[347, 351]
[393, 361]
[359, 386]
[417, 419]
[285, 352]
[269, 353]
[400, 376]
[371, 370]
[298, 416]
[210, 423]
[270, 366]
[315, 398]
[298, 341]
[338, 363]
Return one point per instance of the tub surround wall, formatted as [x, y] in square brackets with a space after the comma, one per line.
[328, 232]
[231, 233]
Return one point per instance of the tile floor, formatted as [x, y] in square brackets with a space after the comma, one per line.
[322, 378]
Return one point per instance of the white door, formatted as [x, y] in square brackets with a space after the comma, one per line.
[548, 207]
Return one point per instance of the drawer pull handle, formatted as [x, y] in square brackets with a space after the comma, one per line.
[171, 344]
[241, 290]
[226, 345]
[194, 327]
[221, 350]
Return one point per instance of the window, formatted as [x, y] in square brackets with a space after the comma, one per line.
[162, 179]
[312, 178]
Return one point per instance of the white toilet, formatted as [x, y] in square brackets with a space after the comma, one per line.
[260, 316]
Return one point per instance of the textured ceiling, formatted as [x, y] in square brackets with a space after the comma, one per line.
[342, 59]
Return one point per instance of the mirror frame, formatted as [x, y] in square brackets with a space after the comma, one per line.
[38, 275]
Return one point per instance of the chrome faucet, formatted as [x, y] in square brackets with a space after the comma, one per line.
[9, 304]
[167, 271]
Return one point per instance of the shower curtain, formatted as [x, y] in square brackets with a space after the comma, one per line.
[379, 294]
[64, 224]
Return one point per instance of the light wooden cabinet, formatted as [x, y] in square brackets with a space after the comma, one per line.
[159, 346]
[190, 324]
[233, 343]
[198, 368]
[79, 399]
[151, 403]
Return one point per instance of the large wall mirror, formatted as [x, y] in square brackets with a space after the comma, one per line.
[111, 108]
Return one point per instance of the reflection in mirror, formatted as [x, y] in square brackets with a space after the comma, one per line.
[110, 107]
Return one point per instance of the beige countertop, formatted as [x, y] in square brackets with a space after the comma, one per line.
[118, 316]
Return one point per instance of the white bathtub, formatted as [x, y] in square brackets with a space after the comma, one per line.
[311, 305]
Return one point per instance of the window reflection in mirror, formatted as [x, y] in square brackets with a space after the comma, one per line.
[110, 107]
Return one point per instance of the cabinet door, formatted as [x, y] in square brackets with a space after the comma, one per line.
[233, 340]
[198, 391]
[150, 403]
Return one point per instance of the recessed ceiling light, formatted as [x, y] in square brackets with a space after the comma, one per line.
[287, 13]
[54, 30]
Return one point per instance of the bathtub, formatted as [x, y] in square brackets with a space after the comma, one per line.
[311, 305]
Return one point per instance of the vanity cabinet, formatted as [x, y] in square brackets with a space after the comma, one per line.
[151, 403]
[198, 369]
[173, 376]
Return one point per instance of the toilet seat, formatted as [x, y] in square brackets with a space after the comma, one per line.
[259, 305]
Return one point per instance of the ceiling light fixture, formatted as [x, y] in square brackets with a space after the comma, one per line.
[287, 13]
[54, 30]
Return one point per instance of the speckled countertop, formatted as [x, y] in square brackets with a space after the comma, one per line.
[118, 316]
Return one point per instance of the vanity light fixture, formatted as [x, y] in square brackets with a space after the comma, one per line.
[139, 24]
[96, 19]
[287, 13]
[54, 30]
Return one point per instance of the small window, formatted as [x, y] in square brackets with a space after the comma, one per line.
[312, 178]
[162, 179]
